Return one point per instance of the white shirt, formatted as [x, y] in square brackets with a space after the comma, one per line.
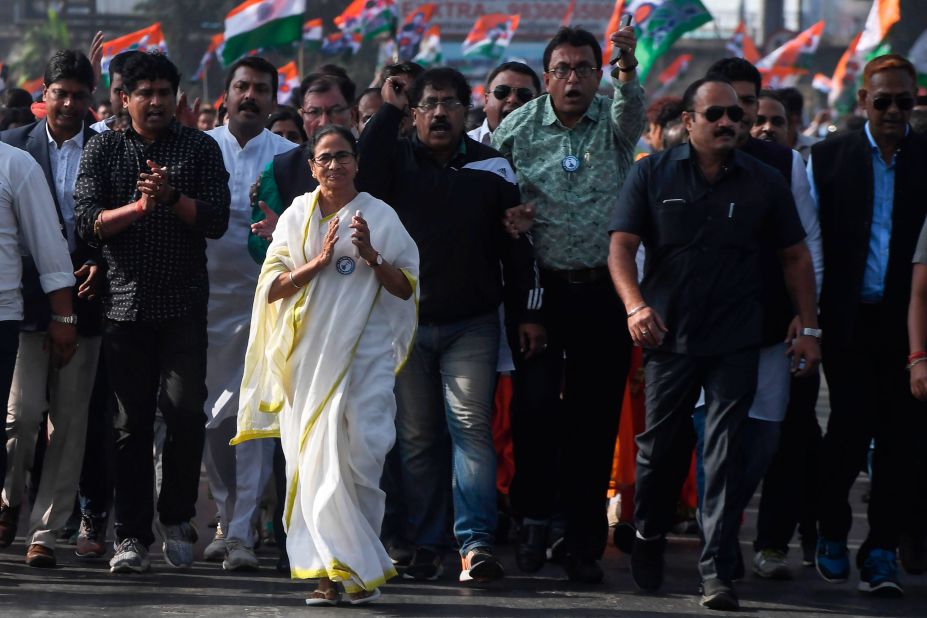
[64, 162]
[482, 134]
[28, 219]
[102, 125]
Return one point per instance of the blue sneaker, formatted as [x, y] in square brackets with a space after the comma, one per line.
[879, 575]
[833, 561]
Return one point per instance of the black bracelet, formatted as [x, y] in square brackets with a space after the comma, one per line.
[628, 69]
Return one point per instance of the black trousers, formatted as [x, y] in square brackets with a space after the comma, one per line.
[9, 345]
[157, 365]
[95, 490]
[569, 443]
[665, 447]
[870, 398]
[790, 488]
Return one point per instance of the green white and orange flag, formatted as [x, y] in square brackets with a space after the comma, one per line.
[312, 34]
[788, 62]
[658, 24]
[742, 46]
[882, 16]
[287, 82]
[146, 39]
[491, 35]
[843, 84]
[429, 51]
[215, 45]
[413, 29]
[370, 18]
[262, 24]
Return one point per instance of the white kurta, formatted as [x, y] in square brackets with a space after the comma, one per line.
[232, 272]
[319, 372]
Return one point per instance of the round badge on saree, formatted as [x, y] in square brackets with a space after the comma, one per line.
[570, 163]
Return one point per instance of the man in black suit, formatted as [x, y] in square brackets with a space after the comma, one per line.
[56, 143]
[870, 186]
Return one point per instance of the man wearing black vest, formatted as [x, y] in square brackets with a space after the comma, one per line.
[870, 187]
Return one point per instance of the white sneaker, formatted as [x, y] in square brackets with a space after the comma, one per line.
[215, 551]
[239, 557]
[771, 564]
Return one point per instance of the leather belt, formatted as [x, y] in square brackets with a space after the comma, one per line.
[580, 275]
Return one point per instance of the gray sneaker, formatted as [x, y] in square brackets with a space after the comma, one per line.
[130, 556]
[771, 564]
[215, 551]
[239, 557]
[178, 544]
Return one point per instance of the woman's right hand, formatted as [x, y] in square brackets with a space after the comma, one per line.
[919, 381]
[328, 243]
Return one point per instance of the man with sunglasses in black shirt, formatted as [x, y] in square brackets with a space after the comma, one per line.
[509, 86]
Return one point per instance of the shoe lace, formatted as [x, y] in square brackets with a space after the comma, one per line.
[128, 545]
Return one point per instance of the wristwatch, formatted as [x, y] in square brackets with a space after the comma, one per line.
[377, 261]
[812, 332]
[65, 319]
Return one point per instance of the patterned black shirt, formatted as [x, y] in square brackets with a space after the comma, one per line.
[156, 268]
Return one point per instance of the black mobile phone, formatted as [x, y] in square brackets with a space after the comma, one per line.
[625, 21]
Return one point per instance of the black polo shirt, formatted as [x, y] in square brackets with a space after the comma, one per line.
[703, 242]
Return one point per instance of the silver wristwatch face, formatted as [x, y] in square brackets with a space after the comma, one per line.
[379, 259]
[812, 332]
[65, 319]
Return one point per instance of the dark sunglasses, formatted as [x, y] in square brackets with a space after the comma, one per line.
[522, 94]
[776, 121]
[904, 102]
[714, 113]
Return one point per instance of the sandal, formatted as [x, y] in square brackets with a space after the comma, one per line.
[372, 596]
[330, 597]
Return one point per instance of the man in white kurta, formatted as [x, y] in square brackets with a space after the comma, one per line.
[237, 475]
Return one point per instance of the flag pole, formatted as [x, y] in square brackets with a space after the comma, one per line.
[206, 83]
[299, 56]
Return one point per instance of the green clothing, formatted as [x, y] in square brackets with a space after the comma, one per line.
[270, 195]
[572, 209]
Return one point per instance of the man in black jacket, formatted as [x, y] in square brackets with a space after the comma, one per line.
[451, 193]
[56, 143]
[870, 188]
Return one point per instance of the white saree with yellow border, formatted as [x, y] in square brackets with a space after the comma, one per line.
[319, 373]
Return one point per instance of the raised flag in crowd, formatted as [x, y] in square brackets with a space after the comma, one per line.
[843, 84]
[412, 33]
[369, 18]
[741, 45]
[214, 50]
[341, 42]
[312, 34]
[785, 65]
[429, 52]
[146, 39]
[675, 70]
[287, 82]
[262, 24]
[491, 35]
[882, 16]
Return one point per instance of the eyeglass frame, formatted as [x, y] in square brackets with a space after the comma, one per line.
[342, 157]
[451, 105]
[586, 68]
[334, 110]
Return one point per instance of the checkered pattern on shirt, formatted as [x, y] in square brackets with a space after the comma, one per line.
[156, 268]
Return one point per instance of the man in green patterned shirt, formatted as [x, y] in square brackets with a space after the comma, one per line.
[571, 149]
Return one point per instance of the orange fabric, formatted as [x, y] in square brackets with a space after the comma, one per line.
[631, 423]
[502, 434]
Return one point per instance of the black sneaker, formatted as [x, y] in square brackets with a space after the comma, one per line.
[913, 553]
[583, 571]
[425, 566]
[531, 552]
[719, 595]
[481, 566]
[401, 553]
[623, 536]
[647, 563]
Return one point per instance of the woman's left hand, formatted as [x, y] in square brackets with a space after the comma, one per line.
[361, 239]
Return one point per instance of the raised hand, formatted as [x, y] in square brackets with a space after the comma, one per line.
[328, 243]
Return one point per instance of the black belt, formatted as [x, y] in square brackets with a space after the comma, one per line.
[580, 275]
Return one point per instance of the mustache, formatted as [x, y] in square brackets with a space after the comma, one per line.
[249, 106]
[722, 131]
[440, 125]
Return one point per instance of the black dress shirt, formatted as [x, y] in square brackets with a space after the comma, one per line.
[703, 242]
[156, 268]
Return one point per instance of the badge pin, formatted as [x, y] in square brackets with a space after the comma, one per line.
[570, 163]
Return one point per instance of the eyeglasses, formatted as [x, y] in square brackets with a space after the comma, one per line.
[714, 113]
[450, 105]
[502, 92]
[562, 71]
[776, 121]
[318, 112]
[78, 96]
[904, 102]
[342, 157]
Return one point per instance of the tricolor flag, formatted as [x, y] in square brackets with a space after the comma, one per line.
[429, 52]
[287, 82]
[490, 35]
[742, 46]
[413, 31]
[675, 70]
[34, 86]
[843, 84]
[146, 39]
[568, 16]
[341, 42]
[787, 63]
[821, 83]
[261, 24]
[215, 43]
[369, 18]
[312, 34]
[658, 24]
[882, 16]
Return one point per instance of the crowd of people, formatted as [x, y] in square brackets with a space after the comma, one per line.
[322, 303]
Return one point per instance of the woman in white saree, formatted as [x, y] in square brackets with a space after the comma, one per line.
[332, 322]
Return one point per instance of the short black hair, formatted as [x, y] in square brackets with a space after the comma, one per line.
[323, 82]
[663, 110]
[149, 66]
[367, 91]
[69, 64]
[440, 78]
[14, 98]
[119, 61]
[412, 69]
[688, 97]
[515, 67]
[258, 64]
[793, 100]
[767, 93]
[577, 37]
[332, 129]
[287, 113]
[737, 70]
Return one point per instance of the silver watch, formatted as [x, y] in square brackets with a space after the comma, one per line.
[65, 319]
[377, 261]
[812, 332]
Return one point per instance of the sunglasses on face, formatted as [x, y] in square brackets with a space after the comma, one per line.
[904, 102]
[776, 121]
[714, 113]
[522, 94]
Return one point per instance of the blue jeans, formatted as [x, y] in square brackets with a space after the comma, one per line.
[446, 391]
